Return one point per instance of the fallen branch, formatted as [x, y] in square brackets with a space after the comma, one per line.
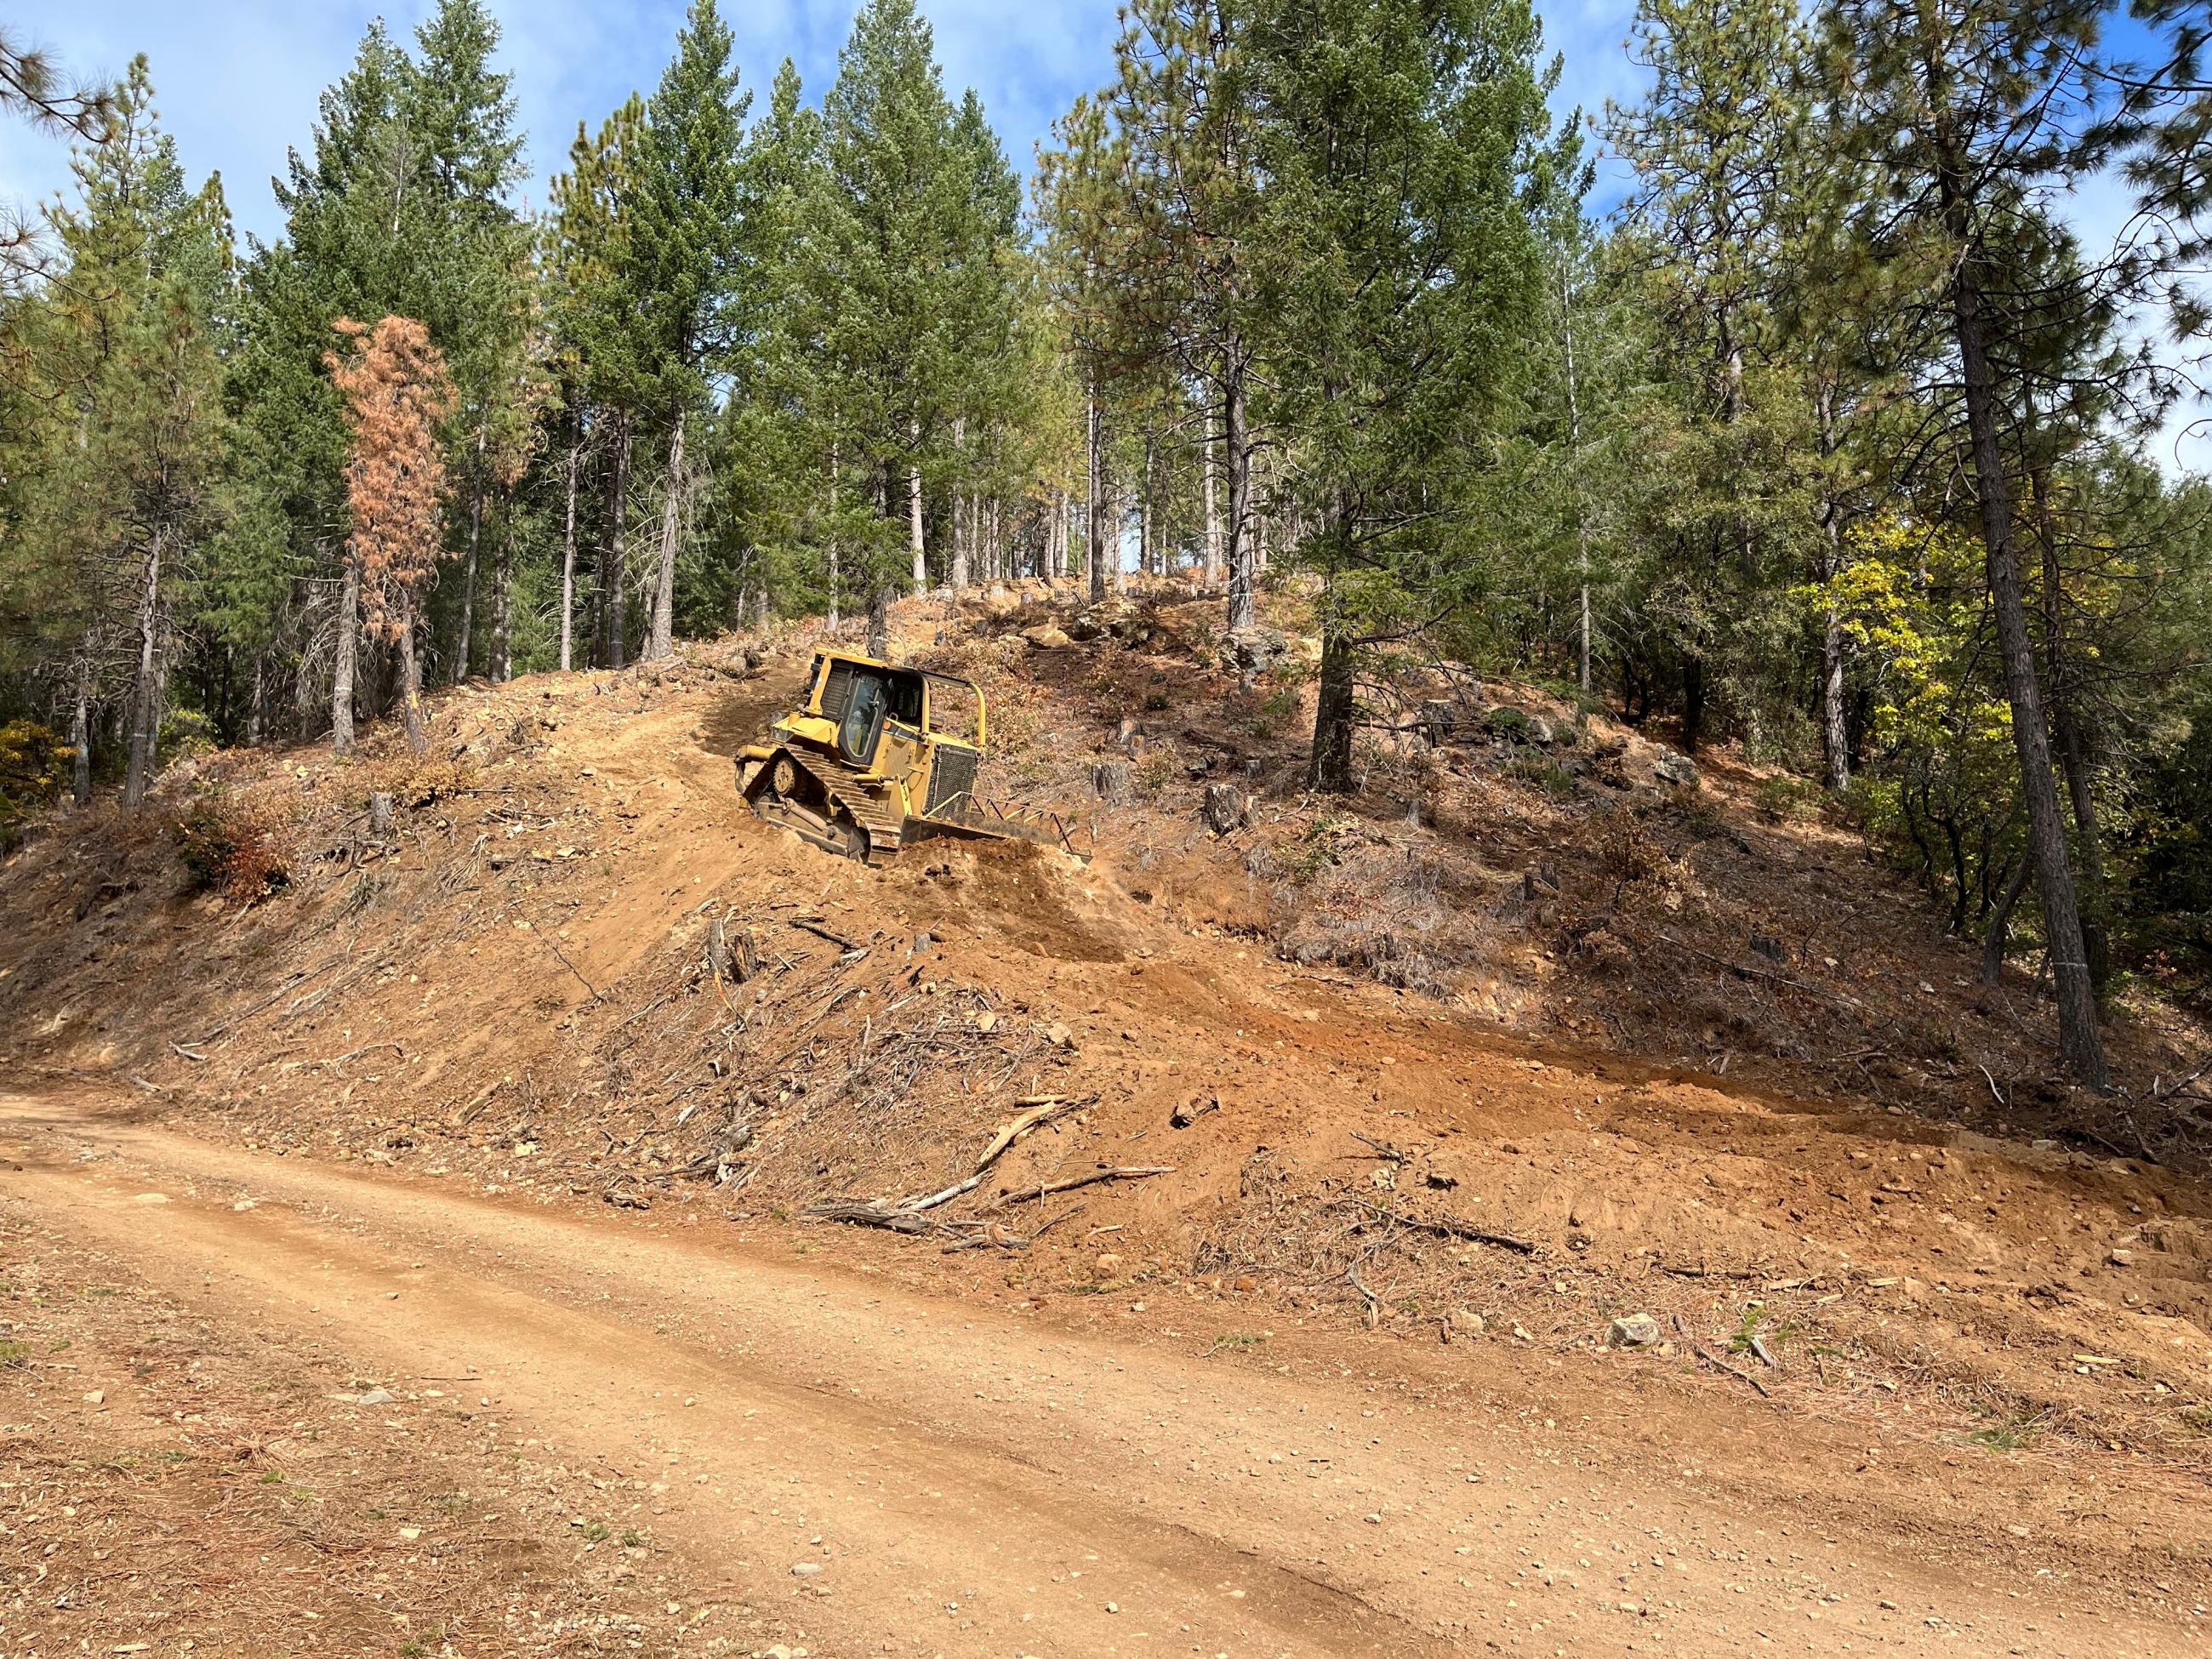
[1703, 1272]
[892, 1219]
[820, 931]
[1069, 1214]
[1043, 1109]
[1742, 971]
[990, 1235]
[913, 1205]
[542, 938]
[1717, 1363]
[187, 1052]
[350, 1054]
[1450, 1227]
[1383, 1149]
[1374, 1301]
[1124, 1173]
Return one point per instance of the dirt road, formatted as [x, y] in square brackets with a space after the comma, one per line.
[892, 1473]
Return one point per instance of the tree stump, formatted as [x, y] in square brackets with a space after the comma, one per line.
[1224, 808]
[1111, 779]
[380, 816]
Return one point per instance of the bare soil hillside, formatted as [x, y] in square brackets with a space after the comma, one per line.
[1544, 1030]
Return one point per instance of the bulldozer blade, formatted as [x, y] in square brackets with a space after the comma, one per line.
[966, 815]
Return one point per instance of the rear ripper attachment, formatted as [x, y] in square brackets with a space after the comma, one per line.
[877, 756]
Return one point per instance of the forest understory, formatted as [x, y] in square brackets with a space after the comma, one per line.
[1543, 1031]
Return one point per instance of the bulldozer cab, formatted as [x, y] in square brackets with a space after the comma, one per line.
[876, 756]
[863, 698]
[867, 703]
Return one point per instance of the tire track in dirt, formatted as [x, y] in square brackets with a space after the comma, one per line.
[968, 1484]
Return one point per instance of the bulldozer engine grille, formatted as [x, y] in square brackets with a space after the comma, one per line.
[953, 773]
[837, 692]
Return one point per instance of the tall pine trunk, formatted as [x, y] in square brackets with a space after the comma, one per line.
[1212, 466]
[1094, 495]
[345, 654]
[880, 620]
[835, 584]
[1330, 767]
[2079, 1040]
[1835, 731]
[661, 633]
[610, 557]
[1575, 471]
[81, 731]
[568, 556]
[1243, 567]
[2066, 728]
[1117, 516]
[410, 682]
[502, 604]
[913, 512]
[466, 655]
[146, 685]
[963, 513]
[1146, 553]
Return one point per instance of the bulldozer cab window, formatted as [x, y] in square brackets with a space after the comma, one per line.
[876, 695]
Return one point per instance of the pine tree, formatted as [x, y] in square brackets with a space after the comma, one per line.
[1711, 143]
[1400, 277]
[1972, 112]
[1083, 189]
[397, 391]
[127, 447]
[1185, 105]
[594, 318]
[889, 227]
[771, 503]
[34, 89]
[400, 209]
[685, 261]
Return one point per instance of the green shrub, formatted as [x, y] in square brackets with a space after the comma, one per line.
[1784, 798]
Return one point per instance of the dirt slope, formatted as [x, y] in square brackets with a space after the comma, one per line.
[1494, 1078]
[963, 1481]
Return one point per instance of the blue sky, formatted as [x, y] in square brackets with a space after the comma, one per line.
[237, 82]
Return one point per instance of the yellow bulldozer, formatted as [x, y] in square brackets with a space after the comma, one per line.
[876, 757]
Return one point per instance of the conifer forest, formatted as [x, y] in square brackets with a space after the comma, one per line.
[1835, 435]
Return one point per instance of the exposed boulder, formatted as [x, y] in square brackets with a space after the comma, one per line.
[1251, 652]
[1509, 724]
[1636, 1330]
